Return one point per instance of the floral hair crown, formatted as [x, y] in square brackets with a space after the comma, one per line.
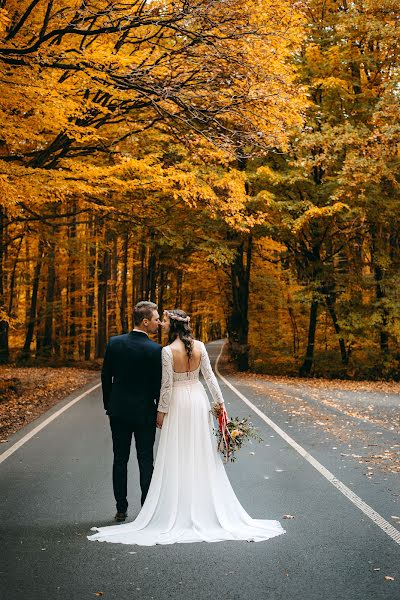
[177, 317]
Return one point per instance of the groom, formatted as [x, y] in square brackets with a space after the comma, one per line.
[131, 380]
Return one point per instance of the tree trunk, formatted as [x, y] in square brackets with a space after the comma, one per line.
[238, 323]
[380, 295]
[11, 295]
[4, 349]
[198, 327]
[135, 286]
[90, 299]
[12, 279]
[47, 341]
[33, 306]
[305, 368]
[57, 319]
[293, 322]
[330, 303]
[161, 290]
[124, 288]
[178, 295]
[142, 268]
[72, 287]
[112, 296]
[379, 289]
[103, 274]
[152, 271]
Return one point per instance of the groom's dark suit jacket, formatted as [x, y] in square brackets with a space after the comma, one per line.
[131, 377]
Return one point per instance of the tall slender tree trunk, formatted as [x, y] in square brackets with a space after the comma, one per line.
[57, 340]
[72, 286]
[151, 271]
[90, 298]
[103, 275]
[112, 296]
[330, 303]
[135, 285]
[380, 296]
[41, 310]
[12, 284]
[305, 368]
[198, 326]
[160, 302]
[124, 287]
[142, 268]
[379, 288]
[47, 341]
[178, 295]
[238, 322]
[295, 329]
[12, 279]
[238, 318]
[33, 305]
[4, 349]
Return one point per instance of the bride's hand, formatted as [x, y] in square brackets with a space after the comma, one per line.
[160, 419]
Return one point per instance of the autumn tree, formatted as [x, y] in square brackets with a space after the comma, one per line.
[329, 202]
[81, 84]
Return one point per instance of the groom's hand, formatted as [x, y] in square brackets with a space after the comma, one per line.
[160, 419]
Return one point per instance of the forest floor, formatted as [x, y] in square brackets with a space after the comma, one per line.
[28, 392]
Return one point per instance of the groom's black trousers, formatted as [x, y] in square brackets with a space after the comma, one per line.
[122, 430]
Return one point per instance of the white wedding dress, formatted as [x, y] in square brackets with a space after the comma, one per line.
[190, 498]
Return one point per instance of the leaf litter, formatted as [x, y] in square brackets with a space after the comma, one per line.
[28, 392]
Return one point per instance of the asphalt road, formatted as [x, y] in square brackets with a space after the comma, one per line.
[57, 485]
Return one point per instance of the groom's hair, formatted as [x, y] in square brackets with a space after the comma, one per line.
[143, 310]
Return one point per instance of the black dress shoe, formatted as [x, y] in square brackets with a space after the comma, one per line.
[120, 516]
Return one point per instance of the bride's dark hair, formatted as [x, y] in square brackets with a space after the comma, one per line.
[179, 327]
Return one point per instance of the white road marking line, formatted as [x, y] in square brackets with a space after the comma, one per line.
[356, 500]
[34, 431]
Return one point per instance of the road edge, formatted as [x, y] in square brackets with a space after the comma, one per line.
[387, 527]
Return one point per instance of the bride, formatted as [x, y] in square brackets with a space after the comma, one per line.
[190, 498]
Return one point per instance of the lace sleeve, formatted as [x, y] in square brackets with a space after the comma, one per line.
[166, 381]
[209, 376]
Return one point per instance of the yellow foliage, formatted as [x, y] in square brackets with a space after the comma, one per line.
[317, 212]
[4, 21]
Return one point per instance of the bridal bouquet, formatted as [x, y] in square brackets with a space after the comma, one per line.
[231, 433]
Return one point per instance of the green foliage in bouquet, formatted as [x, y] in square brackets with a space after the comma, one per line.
[233, 433]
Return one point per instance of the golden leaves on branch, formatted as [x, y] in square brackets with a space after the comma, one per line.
[4, 21]
[316, 212]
